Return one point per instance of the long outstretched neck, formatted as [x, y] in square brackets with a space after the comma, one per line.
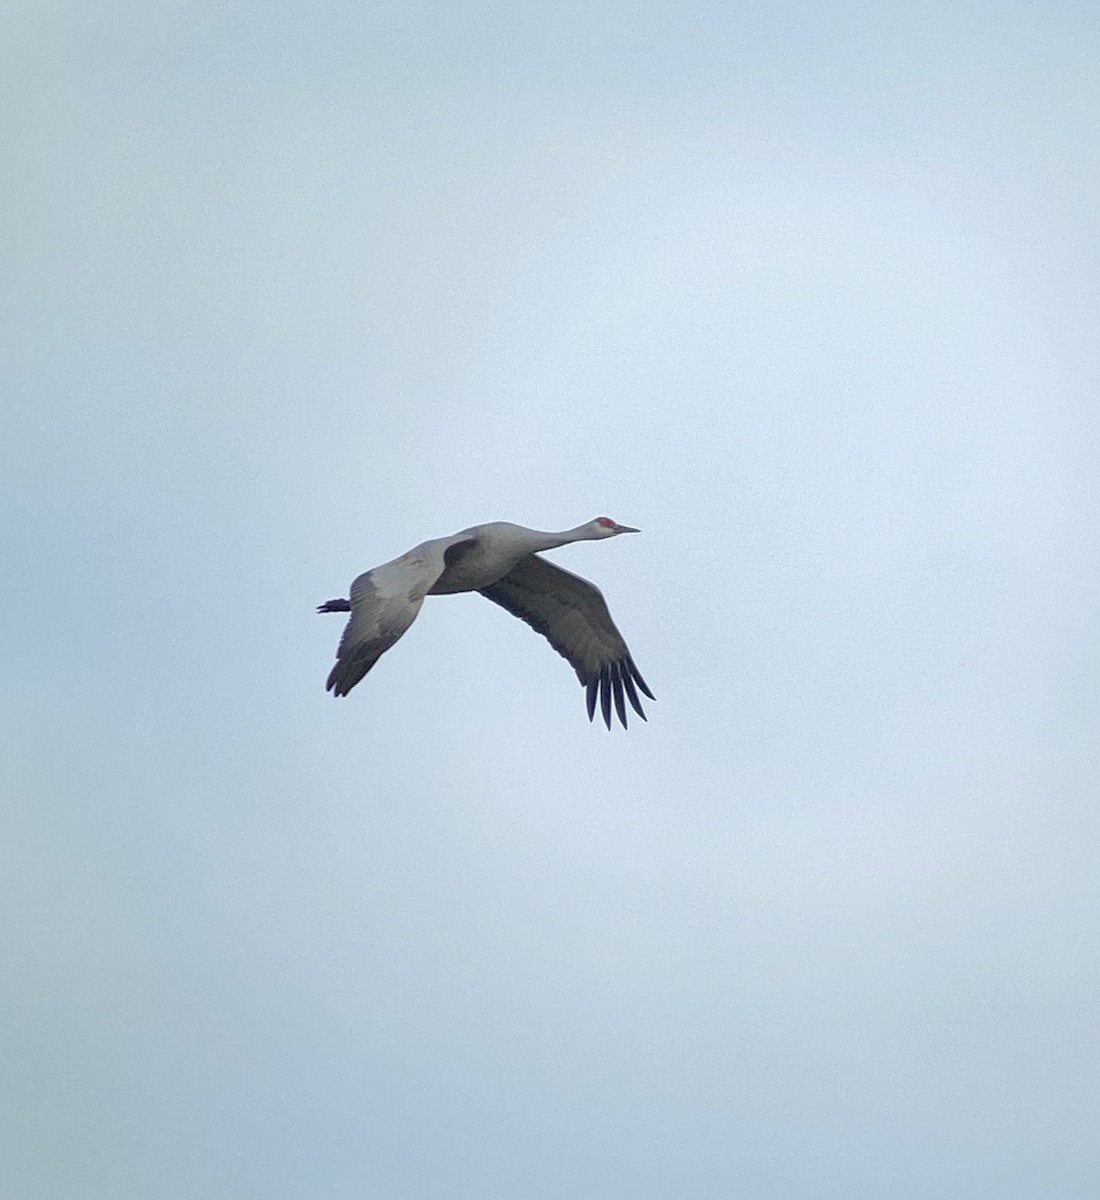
[550, 541]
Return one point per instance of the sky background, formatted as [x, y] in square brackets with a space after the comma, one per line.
[809, 293]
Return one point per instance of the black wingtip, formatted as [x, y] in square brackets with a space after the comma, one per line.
[610, 688]
[617, 689]
[605, 695]
[632, 693]
[638, 678]
[590, 696]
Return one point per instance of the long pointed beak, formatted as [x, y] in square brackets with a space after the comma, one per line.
[626, 529]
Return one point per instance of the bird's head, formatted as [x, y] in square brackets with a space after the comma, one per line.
[604, 527]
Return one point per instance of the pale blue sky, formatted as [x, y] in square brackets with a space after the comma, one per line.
[811, 295]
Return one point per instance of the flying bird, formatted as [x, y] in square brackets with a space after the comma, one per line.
[501, 561]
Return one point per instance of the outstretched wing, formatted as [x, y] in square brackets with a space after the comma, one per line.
[383, 603]
[572, 615]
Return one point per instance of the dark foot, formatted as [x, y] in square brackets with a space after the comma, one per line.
[335, 606]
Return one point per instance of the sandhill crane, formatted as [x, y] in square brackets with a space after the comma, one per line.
[500, 561]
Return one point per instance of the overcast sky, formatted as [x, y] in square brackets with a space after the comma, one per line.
[810, 294]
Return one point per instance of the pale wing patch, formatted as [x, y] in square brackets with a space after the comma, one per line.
[384, 603]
